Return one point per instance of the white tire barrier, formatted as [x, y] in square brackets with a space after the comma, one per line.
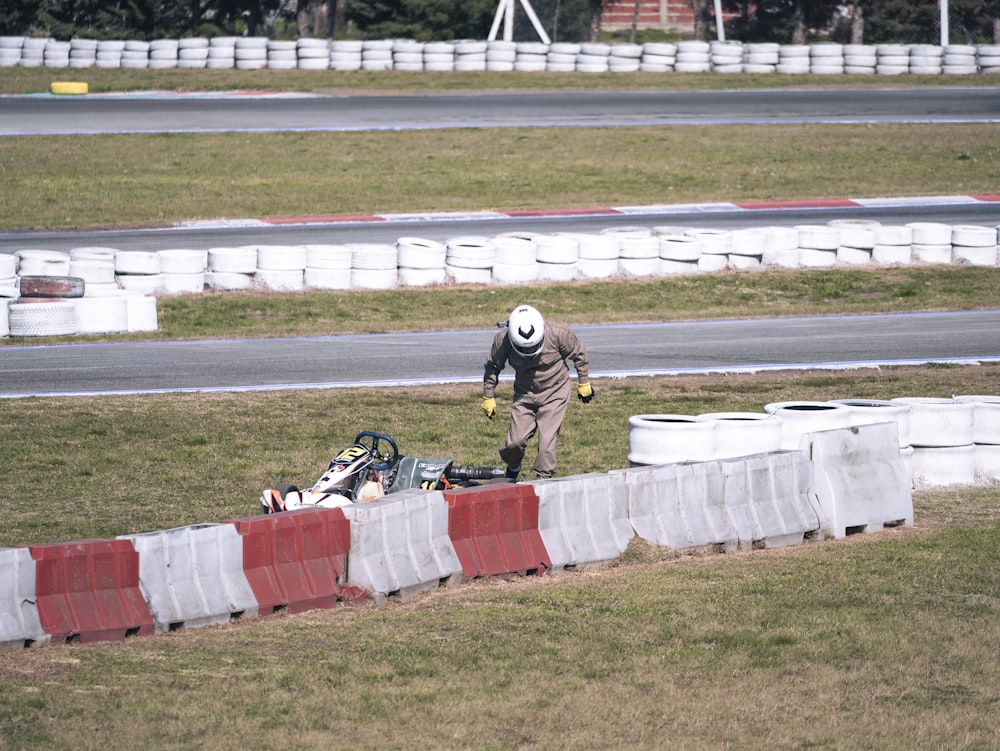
[420, 253]
[801, 417]
[92, 270]
[142, 284]
[228, 281]
[583, 520]
[193, 576]
[20, 625]
[183, 284]
[400, 545]
[860, 480]
[974, 245]
[669, 438]
[4, 317]
[321, 278]
[985, 436]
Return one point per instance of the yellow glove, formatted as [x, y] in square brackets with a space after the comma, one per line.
[585, 392]
[489, 406]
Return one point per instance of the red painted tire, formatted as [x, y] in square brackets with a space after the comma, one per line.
[52, 286]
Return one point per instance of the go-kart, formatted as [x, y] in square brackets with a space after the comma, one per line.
[372, 467]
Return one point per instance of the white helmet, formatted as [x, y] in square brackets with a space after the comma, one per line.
[526, 331]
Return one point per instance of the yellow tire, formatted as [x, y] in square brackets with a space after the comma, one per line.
[69, 87]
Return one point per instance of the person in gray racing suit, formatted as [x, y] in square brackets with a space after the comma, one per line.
[537, 350]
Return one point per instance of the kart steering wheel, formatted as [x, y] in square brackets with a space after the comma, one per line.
[382, 448]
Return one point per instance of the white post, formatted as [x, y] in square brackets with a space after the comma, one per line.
[944, 23]
[719, 26]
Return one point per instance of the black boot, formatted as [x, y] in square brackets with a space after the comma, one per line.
[512, 473]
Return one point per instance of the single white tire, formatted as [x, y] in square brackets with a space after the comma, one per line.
[976, 256]
[228, 281]
[848, 256]
[680, 248]
[743, 263]
[470, 252]
[973, 236]
[281, 258]
[937, 422]
[363, 278]
[596, 247]
[183, 261]
[141, 284]
[42, 318]
[818, 236]
[668, 439]
[33, 262]
[8, 266]
[936, 255]
[416, 277]
[856, 233]
[711, 262]
[329, 257]
[871, 411]
[514, 273]
[556, 272]
[748, 242]
[677, 268]
[714, 241]
[744, 433]
[514, 251]
[101, 315]
[597, 268]
[930, 233]
[801, 417]
[137, 262]
[420, 253]
[817, 258]
[374, 256]
[93, 271]
[327, 278]
[639, 267]
[467, 275]
[639, 248]
[281, 280]
[238, 260]
[985, 417]
[891, 255]
[186, 283]
[888, 234]
[557, 249]
[943, 466]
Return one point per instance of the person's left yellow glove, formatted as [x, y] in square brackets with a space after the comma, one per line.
[585, 392]
[489, 406]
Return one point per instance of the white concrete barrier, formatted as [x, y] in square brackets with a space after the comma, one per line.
[400, 545]
[583, 519]
[770, 500]
[193, 576]
[680, 505]
[860, 480]
[20, 625]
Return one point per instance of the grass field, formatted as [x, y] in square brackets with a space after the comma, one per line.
[878, 642]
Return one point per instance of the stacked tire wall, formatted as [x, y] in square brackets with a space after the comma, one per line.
[261, 53]
[103, 290]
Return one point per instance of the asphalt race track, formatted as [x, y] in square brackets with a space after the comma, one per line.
[408, 359]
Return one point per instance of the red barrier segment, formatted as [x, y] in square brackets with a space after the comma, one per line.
[89, 591]
[296, 560]
[494, 529]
